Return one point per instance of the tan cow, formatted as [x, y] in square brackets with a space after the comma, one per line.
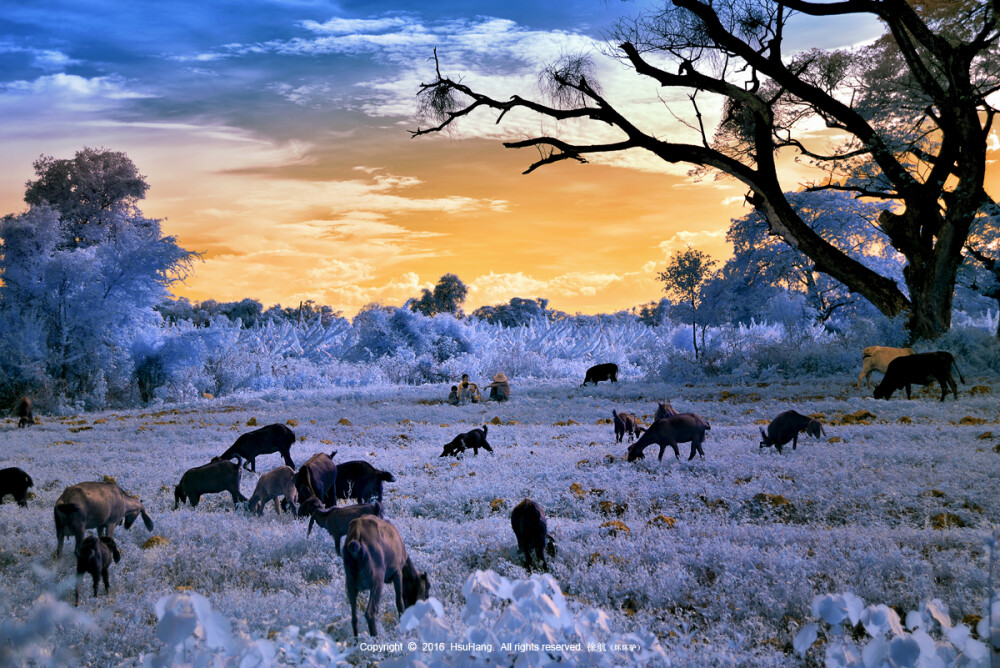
[877, 358]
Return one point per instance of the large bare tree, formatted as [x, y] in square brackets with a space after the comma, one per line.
[908, 121]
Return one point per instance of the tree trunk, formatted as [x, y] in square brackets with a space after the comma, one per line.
[694, 330]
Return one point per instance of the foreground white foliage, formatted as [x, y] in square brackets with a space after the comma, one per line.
[890, 645]
[31, 641]
[524, 623]
[195, 635]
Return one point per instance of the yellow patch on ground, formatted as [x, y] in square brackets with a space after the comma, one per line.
[980, 389]
[292, 422]
[100, 421]
[496, 420]
[577, 490]
[773, 500]
[969, 420]
[943, 521]
[615, 527]
[835, 439]
[565, 423]
[344, 422]
[905, 419]
[612, 508]
[155, 541]
[604, 421]
[110, 479]
[762, 421]
[858, 417]
[662, 521]
[496, 505]
[206, 395]
[252, 422]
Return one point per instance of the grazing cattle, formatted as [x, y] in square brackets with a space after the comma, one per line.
[15, 482]
[599, 372]
[374, 555]
[474, 439]
[315, 483]
[279, 482]
[263, 441]
[919, 369]
[531, 529]
[787, 427]
[877, 358]
[95, 505]
[626, 423]
[338, 520]
[95, 557]
[671, 431]
[663, 411]
[212, 478]
[360, 481]
[23, 411]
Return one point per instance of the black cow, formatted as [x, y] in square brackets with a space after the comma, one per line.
[24, 414]
[15, 482]
[360, 481]
[599, 372]
[263, 441]
[919, 369]
[787, 427]
[531, 530]
[670, 431]
[316, 483]
[474, 439]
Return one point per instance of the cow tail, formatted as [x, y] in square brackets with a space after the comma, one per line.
[955, 364]
[355, 550]
[312, 519]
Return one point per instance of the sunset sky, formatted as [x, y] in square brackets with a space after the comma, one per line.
[274, 138]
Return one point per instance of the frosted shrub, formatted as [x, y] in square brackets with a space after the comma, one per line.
[891, 643]
[523, 620]
[32, 642]
[193, 634]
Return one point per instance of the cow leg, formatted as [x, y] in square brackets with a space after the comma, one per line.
[61, 536]
[352, 596]
[397, 583]
[907, 390]
[795, 441]
[277, 506]
[954, 387]
[374, 598]
[336, 542]
[194, 500]
[253, 464]
[97, 580]
[79, 579]
[107, 585]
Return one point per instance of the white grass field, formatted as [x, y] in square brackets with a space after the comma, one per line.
[720, 558]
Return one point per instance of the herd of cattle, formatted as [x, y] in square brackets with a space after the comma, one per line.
[374, 553]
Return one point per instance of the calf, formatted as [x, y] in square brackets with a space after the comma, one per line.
[315, 483]
[212, 478]
[626, 423]
[877, 358]
[15, 482]
[360, 481]
[474, 439]
[374, 554]
[920, 369]
[787, 427]
[338, 520]
[531, 529]
[279, 482]
[95, 505]
[23, 411]
[671, 431]
[263, 441]
[663, 411]
[599, 372]
[95, 557]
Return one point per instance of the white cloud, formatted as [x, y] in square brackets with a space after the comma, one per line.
[341, 26]
[700, 240]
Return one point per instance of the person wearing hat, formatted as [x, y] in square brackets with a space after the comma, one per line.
[499, 388]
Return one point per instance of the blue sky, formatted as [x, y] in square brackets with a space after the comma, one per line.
[274, 136]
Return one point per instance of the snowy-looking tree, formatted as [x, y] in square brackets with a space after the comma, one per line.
[684, 278]
[762, 259]
[79, 300]
[908, 121]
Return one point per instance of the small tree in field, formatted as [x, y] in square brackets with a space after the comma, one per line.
[684, 279]
[448, 297]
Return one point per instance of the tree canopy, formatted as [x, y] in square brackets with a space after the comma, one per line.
[907, 120]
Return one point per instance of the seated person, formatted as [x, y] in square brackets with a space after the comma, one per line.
[468, 391]
[499, 388]
[453, 397]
